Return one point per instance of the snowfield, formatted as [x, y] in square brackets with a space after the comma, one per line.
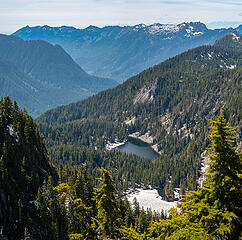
[111, 146]
[150, 199]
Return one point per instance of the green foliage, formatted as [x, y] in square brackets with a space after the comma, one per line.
[68, 207]
[80, 210]
[63, 190]
[75, 236]
[24, 165]
[224, 179]
[184, 92]
[130, 234]
[52, 211]
[109, 216]
[210, 212]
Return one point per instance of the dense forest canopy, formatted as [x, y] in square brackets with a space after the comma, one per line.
[43, 201]
[170, 102]
[24, 165]
[68, 186]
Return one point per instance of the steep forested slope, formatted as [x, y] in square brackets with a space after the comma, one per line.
[15, 83]
[184, 77]
[40, 201]
[31, 205]
[122, 52]
[24, 166]
[50, 74]
[31, 94]
[170, 102]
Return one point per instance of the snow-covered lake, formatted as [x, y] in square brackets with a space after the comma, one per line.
[150, 199]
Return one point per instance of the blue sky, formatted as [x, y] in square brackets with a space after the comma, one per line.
[15, 14]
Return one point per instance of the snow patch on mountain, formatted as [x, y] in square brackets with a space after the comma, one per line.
[197, 33]
[204, 167]
[150, 199]
[10, 128]
[13, 133]
[160, 28]
[235, 37]
[190, 32]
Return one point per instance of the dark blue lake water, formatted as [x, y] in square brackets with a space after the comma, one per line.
[138, 148]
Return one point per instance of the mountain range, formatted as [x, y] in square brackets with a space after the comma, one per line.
[46, 191]
[169, 105]
[121, 52]
[41, 76]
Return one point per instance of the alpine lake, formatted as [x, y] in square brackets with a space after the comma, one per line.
[138, 147]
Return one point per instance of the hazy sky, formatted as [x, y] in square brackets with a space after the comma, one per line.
[15, 14]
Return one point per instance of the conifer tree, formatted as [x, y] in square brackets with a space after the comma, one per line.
[109, 216]
[224, 178]
[212, 212]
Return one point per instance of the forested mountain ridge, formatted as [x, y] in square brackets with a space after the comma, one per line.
[121, 52]
[41, 201]
[15, 82]
[184, 69]
[170, 102]
[24, 166]
[49, 71]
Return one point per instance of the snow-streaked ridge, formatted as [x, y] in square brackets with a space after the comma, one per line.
[160, 28]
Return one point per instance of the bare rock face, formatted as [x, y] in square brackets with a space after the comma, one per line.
[146, 94]
[145, 137]
[204, 166]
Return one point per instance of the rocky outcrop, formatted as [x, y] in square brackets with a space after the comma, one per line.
[145, 137]
[146, 94]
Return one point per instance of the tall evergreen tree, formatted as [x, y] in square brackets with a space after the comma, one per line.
[224, 178]
[109, 215]
[212, 212]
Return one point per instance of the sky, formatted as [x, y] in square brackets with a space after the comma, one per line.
[15, 14]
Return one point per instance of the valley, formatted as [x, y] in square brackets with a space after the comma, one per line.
[121, 52]
[43, 75]
[183, 93]
[154, 157]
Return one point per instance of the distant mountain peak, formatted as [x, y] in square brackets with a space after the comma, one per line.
[92, 28]
[191, 28]
[141, 25]
[235, 36]
[120, 52]
[157, 28]
[239, 28]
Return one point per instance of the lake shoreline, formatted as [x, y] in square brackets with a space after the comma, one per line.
[138, 148]
[146, 139]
